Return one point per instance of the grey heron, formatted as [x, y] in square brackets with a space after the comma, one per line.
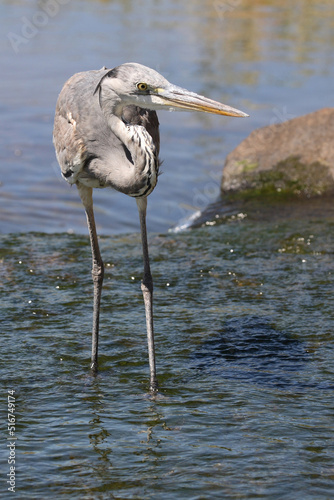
[106, 134]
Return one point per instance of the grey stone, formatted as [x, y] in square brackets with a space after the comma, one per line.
[295, 157]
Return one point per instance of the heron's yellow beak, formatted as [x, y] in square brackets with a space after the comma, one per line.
[178, 98]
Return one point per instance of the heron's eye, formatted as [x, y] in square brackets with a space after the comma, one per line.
[142, 86]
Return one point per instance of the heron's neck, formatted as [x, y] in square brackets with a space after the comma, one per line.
[141, 177]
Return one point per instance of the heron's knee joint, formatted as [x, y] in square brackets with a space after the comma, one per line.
[147, 286]
[98, 273]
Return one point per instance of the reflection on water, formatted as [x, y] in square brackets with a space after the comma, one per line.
[255, 351]
[272, 59]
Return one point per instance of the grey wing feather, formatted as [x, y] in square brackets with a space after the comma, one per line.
[69, 134]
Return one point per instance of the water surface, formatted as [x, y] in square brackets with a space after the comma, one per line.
[244, 333]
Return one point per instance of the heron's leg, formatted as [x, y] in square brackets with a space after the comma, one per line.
[97, 268]
[147, 289]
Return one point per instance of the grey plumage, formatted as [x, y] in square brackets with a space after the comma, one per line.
[106, 134]
[88, 151]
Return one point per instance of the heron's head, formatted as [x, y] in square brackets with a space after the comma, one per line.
[133, 83]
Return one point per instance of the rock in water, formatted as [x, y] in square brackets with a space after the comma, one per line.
[295, 157]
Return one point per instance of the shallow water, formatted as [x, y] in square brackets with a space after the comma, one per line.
[243, 302]
[244, 334]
